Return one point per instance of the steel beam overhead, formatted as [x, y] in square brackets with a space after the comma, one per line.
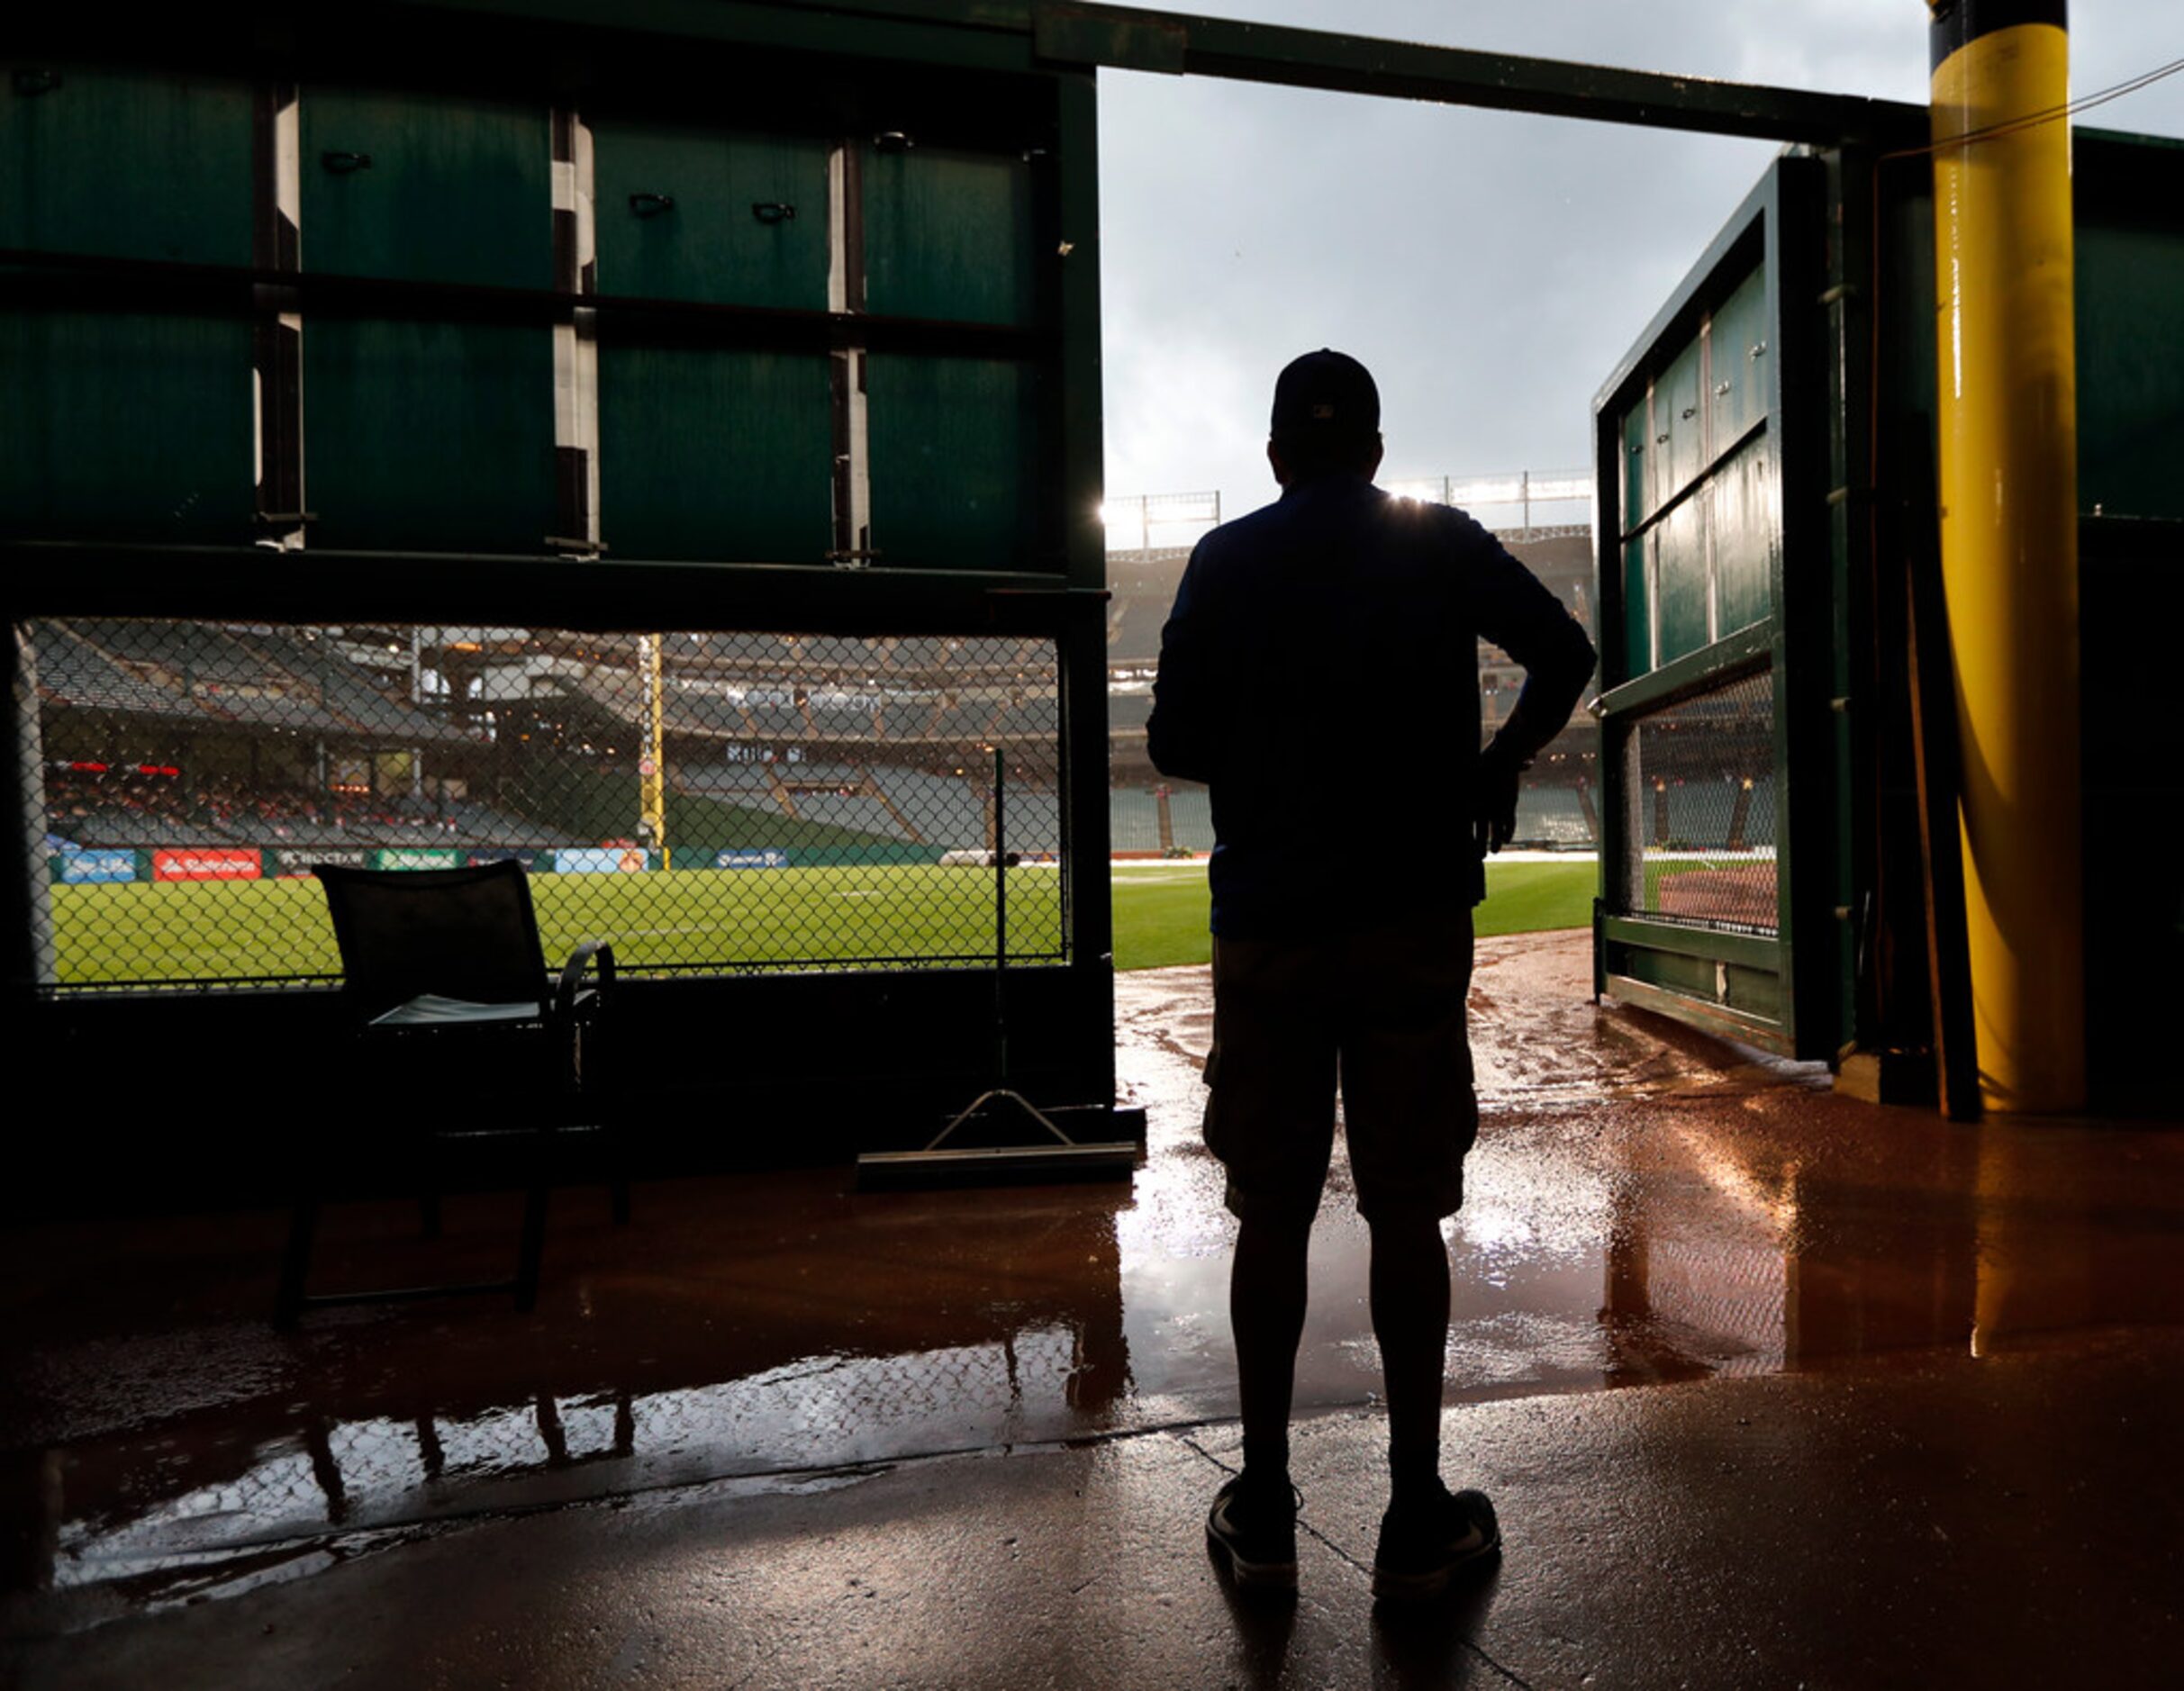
[1131, 37]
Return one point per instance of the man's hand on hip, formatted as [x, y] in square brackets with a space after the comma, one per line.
[1494, 800]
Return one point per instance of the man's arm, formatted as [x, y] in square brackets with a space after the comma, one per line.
[1180, 734]
[1521, 617]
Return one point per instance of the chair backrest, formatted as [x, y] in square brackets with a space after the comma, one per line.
[459, 933]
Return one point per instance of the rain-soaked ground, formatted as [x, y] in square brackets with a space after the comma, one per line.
[1645, 1206]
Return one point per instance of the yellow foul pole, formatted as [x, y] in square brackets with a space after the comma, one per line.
[2009, 473]
[652, 765]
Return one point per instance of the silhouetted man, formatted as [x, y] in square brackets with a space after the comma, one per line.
[1319, 673]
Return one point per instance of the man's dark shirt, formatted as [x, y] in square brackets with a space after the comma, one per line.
[1319, 673]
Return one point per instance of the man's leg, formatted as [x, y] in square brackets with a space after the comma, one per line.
[1266, 1299]
[1410, 1284]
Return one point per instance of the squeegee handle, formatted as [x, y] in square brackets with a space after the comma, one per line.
[1001, 916]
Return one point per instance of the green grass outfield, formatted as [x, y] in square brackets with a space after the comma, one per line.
[277, 929]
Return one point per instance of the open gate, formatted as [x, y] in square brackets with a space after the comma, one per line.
[1714, 555]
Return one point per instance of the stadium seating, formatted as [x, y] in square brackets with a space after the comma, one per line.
[839, 717]
[946, 810]
[919, 653]
[689, 708]
[860, 811]
[1031, 716]
[1190, 819]
[1133, 820]
[1554, 817]
[777, 721]
[725, 777]
[969, 720]
[1034, 820]
[1128, 712]
[1136, 631]
[907, 718]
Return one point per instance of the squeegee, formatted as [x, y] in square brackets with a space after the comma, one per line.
[941, 1163]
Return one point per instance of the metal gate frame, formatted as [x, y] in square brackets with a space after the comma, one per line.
[1739, 982]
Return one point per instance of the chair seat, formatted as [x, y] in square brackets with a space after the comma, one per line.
[428, 1009]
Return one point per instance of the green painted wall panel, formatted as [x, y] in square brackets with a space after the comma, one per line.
[1679, 413]
[1635, 503]
[1638, 608]
[955, 461]
[433, 436]
[457, 190]
[116, 426]
[1737, 393]
[1747, 540]
[2130, 367]
[436, 436]
[1681, 580]
[710, 244]
[725, 456]
[129, 164]
[948, 234]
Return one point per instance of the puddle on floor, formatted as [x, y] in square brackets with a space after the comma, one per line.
[1645, 1207]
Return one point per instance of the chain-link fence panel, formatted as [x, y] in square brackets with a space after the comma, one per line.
[710, 801]
[1702, 807]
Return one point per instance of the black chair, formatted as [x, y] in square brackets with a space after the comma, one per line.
[443, 974]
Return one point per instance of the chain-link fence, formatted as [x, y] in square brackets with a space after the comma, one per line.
[710, 801]
[1702, 807]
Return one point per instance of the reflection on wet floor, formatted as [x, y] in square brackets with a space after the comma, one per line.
[1645, 1207]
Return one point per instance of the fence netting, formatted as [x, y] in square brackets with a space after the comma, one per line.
[710, 801]
[1702, 807]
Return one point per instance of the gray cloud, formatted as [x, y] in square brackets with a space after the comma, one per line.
[1490, 268]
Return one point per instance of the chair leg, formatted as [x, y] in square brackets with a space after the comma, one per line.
[618, 1171]
[295, 1262]
[533, 1244]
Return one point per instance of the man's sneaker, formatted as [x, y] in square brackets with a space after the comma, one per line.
[1254, 1527]
[1425, 1546]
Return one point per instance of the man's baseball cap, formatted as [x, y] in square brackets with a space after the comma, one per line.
[1326, 394]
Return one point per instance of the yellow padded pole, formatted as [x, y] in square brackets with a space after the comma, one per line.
[2007, 415]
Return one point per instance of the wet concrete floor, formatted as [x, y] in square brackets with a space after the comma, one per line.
[759, 1360]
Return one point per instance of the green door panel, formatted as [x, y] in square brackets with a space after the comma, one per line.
[1637, 608]
[955, 461]
[1746, 536]
[1679, 415]
[1737, 387]
[2130, 348]
[457, 189]
[947, 234]
[129, 164]
[1680, 583]
[113, 425]
[724, 455]
[709, 243]
[432, 437]
[1635, 505]
[123, 427]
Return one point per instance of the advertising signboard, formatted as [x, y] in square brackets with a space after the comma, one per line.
[301, 862]
[207, 863]
[767, 859]
[417, 857]
[602, 859]
[79, 867]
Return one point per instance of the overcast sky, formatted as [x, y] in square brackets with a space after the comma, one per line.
[1488, 268]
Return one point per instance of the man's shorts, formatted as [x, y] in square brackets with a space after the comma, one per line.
[1383, 1010]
